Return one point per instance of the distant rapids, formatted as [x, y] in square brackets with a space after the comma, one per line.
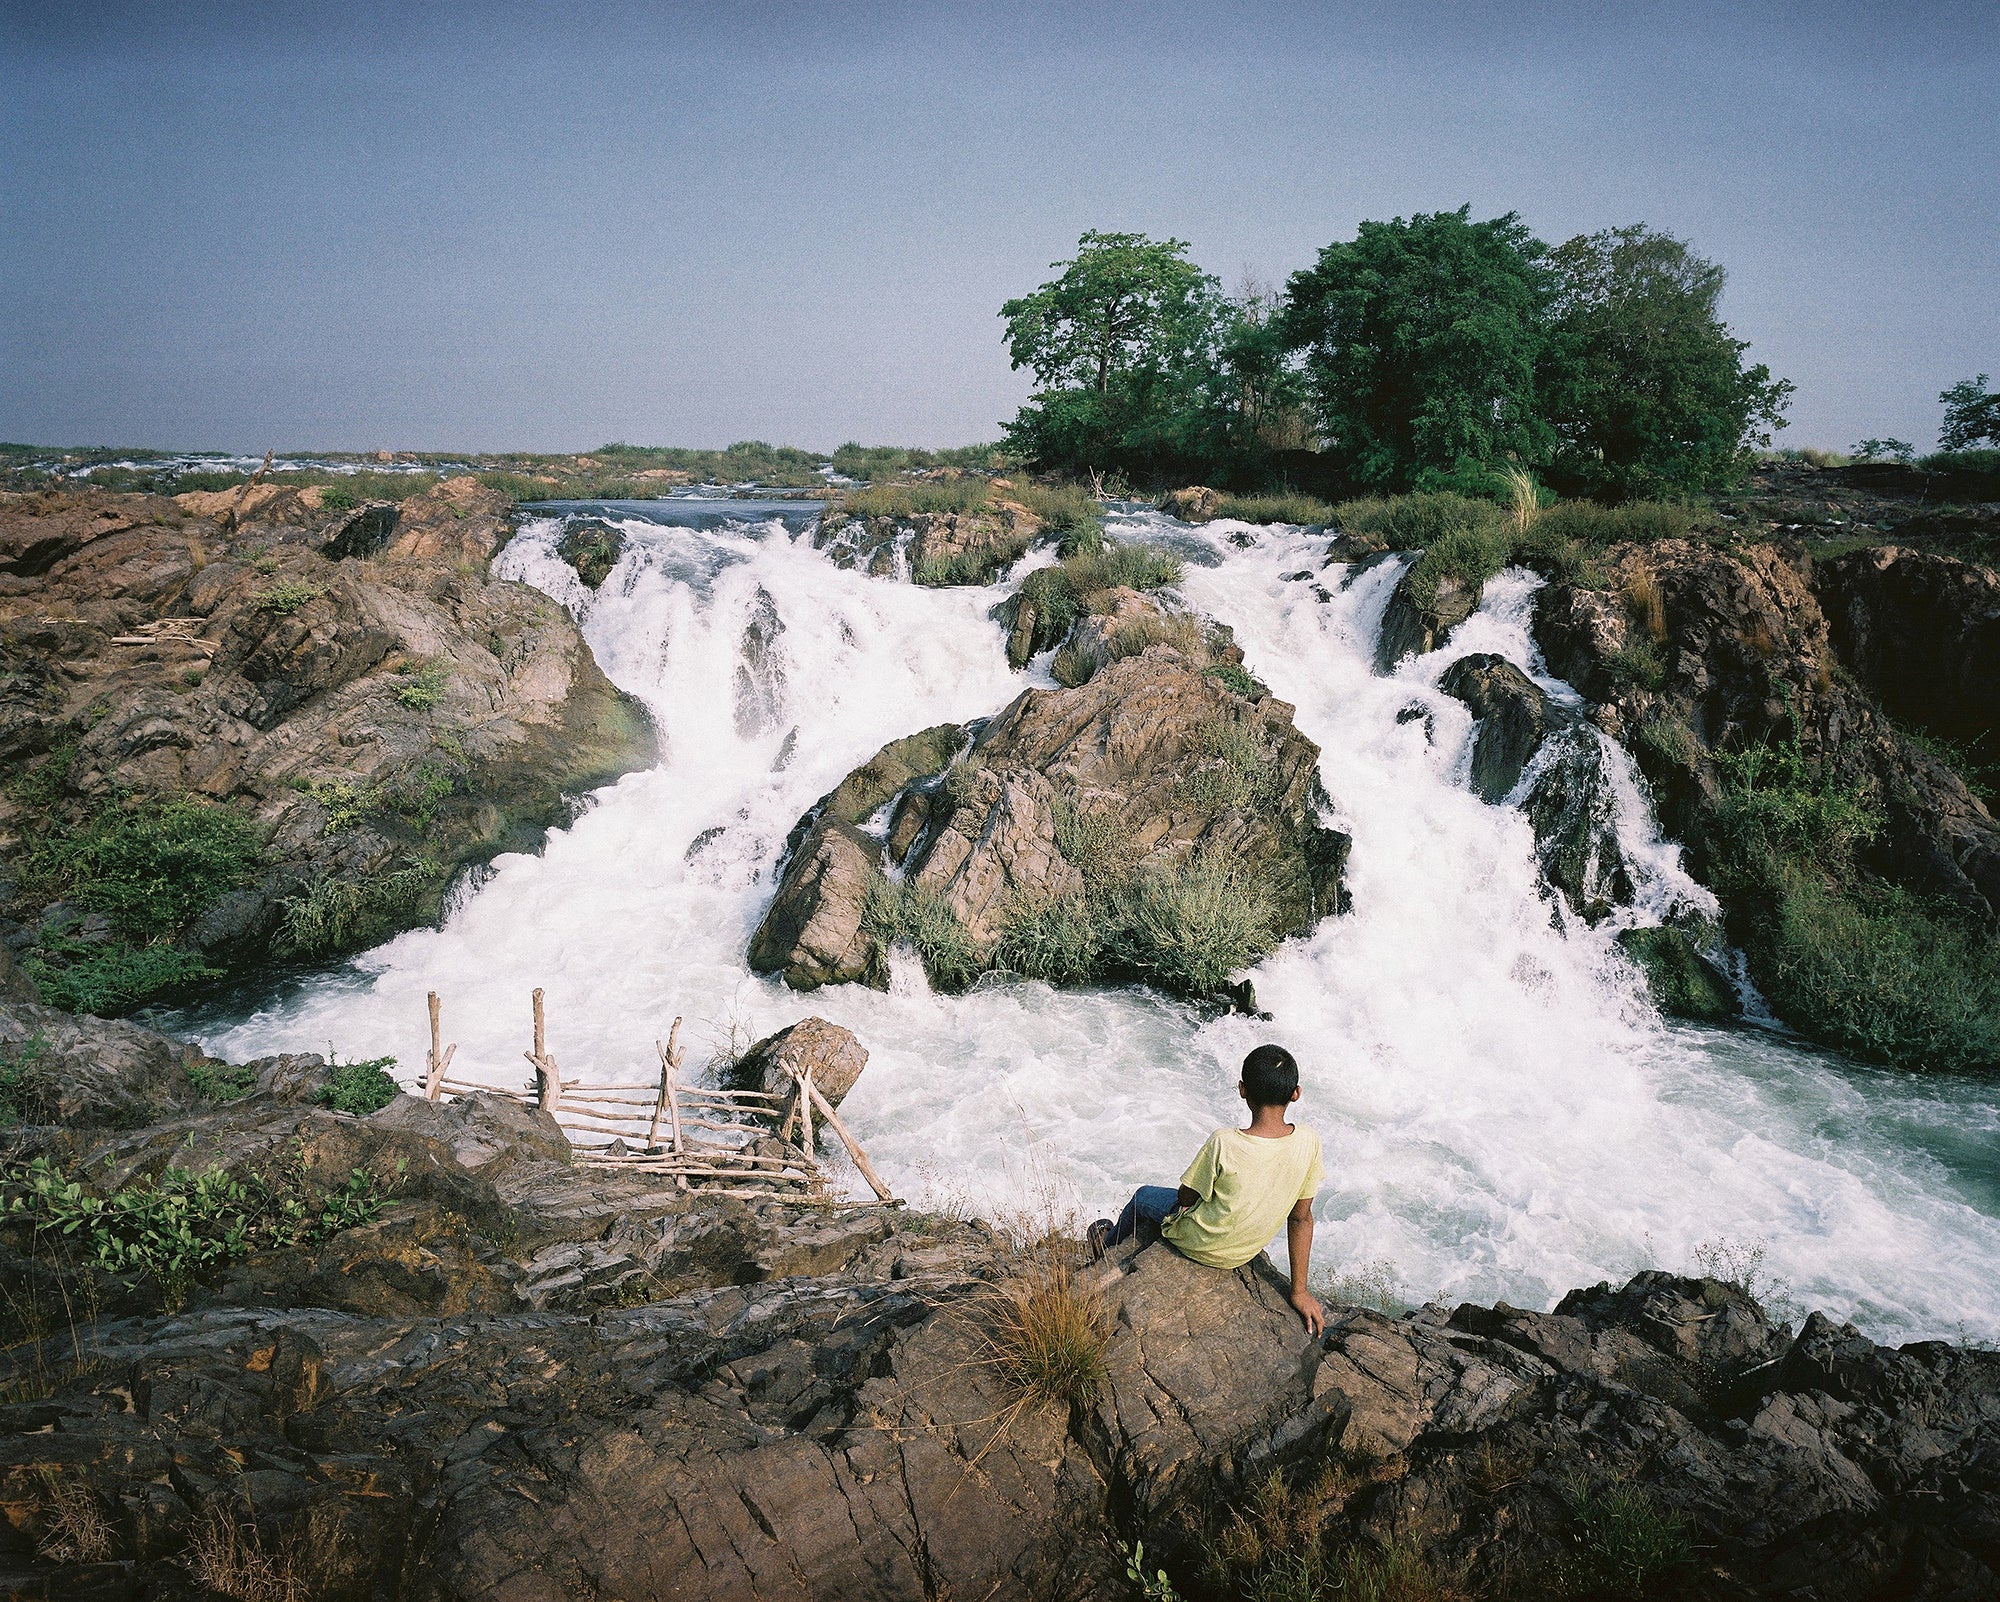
[1504, 1114]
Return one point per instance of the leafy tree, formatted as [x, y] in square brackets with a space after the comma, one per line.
[1124, 345]
[1970, 415]
[1421, 339]
[1642, 382]
[1885, 450]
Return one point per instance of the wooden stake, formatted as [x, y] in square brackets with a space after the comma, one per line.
[434, 1078]
[548, 1079]
[806, 1112]
[853, 1146]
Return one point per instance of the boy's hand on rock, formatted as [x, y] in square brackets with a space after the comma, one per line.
[1306, 1305]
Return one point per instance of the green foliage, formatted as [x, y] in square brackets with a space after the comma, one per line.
[1640, 379]
[112, 977]
[981, 566]
[153, 865]
[1057, 938]
[1983, 462]
[180, 1226]
[1971, 415]
[1093, 843]
[926, 496]
[221, 1081]
[1066, 510]
[1286, 508]
[1589, 524]
[1420, 342]
[288, 596]
[338, 500]
[423, 685]
[1237, 680]
[360, 1088]
[1186, 927]
[593, 549]
[1621, 1543]
[336, 914]
[886, 461]
[1885, 450]
[18, 1061]
[344, 802]
[925, 922]
[1778, 803]
[1417, 522]
[1468, 556]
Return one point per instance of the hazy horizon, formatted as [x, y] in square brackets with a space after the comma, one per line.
[499, 227]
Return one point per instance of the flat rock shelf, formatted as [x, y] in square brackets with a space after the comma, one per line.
[755, 1143]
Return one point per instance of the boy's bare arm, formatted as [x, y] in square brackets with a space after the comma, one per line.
[1299, 1239]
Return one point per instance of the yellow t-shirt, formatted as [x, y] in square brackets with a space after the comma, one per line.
[1248, 1186]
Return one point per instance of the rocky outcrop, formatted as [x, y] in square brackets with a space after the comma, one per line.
[812, 1046]
[1151, 763]
[530, 1380]
[1684, 971]
[1421, 614]
[1514, 717]
[1921, 633]
[592, 547]
[377, 719]
[970, 547]
[1195, 504]
[1744, 657]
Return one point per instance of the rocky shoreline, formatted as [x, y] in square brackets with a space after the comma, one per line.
[515, 1377]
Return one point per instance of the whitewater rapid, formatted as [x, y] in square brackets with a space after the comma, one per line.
[1504, 1114]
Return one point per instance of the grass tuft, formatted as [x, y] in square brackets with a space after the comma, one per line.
[360, 1088]
[1050, 1331]
[287, 597]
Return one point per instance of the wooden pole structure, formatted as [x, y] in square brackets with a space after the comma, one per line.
[439, 1061]
[669, 1101]
[853, 1146]
[806, 1112]
[548, 1080]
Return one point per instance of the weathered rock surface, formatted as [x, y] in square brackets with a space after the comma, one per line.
[1921, 632]
[813, 1046]
[367, 713]
[1156, 757]
[1514, 715]
[593, 548]
[1195, 504]
[88, 1070]
[1748, 658]
[531, 1381]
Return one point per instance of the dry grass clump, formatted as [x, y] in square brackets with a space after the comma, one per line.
[226, 1558]
[1050, 1330]
[73, 1526]
[1646, 604]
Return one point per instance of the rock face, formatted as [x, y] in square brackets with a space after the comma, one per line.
[828, 1052]
[1195, 504]
[378, 719]
[1746, 657]
[593, 548]
[526, 1380]
[932, 547]
[87, 1070]
[1151, 762]
[1419, 619]
[1514, 718]
[1921, 632]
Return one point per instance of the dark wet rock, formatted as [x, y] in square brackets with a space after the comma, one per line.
[592, 547]
[1683, 975]
[1355, 547]
[14, 984]
[1921, 632]
[364, 715]
[1417, 622]
[1574, 812]
[813, 1046]
[1417, 712]
[363, 531]
[1514, 718]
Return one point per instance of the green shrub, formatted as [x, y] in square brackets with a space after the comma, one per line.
[1621, 1544]
[179, 1226]
[1187, 927]
[337, 914]
[1064, 509]
[1589, 524]
[344, 802]
[1132, 567]
[975, 567]
[925, 922]
[153, 866]
[360, 1088]
[288, 596]
[221, 1081]
[1237, 680]
[1978, 460]
[1416, 522]
[925, 496]
[337, 500]
[1057, 938]
[1093, 843]
[18, 1062]
[1470, 555]
[1286, 508]
[113, 977]
[1075, 665]
[1639, 661]
[423, 685]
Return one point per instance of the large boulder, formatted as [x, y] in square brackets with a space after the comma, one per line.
[813, 1046]
[1195, 504]
[62, 1068]
[815, 931]
[1514, 715]
[1421, 615]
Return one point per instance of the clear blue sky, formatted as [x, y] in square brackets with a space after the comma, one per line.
[549, 226]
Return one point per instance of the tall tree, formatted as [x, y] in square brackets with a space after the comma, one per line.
[1124, 348]
[1642, 382]
[1421, 339]
[1970, 415]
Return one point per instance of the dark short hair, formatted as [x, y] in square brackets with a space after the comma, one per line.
[1270, 1076]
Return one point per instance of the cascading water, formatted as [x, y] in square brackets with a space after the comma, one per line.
[1504, 1114]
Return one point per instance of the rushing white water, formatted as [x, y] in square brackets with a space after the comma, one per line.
[1504, 1114]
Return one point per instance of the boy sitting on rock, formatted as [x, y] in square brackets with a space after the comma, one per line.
[1240, 1184]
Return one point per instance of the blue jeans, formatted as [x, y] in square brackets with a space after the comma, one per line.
[1144, 1214]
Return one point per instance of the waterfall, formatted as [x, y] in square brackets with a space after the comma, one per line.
[1504, 1114]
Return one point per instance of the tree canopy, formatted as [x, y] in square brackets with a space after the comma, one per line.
[1420, 340]
[1970, 415]
[1642, 385]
